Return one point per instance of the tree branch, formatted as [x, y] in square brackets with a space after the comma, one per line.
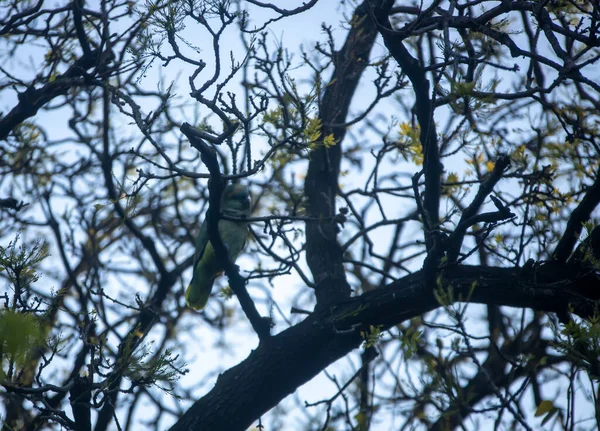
[424, 108]
[580, 215]
[323, 252]
[32, 99]
[80, 397]
[296, 355]
[456, 239]
[216, 185]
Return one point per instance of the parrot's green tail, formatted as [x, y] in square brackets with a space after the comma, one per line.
[198, 292]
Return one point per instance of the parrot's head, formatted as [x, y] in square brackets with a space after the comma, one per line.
[236, 199]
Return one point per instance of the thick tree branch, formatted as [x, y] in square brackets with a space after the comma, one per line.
[580, 215]
[323, 252]
[296, 355]
[80, 398]
[424, 108]
[32, 99]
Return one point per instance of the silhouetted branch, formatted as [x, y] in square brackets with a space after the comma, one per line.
[216, 186]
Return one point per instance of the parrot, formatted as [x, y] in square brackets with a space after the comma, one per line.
[235, 202]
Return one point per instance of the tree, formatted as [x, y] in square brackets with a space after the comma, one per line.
[427, 173]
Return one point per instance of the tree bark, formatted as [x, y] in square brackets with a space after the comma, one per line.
[276, 369]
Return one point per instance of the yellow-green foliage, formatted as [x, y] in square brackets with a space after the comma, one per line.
[410, 341]
[313, 133]
[547, 409]
[20, 334]
[371, 336]
[409, 143]
[579, 340]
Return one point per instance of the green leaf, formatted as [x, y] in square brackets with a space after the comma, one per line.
[313, 130]
[329, 141]
[19, 335]
[544, 407]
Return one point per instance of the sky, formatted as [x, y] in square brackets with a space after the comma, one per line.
[203, 359]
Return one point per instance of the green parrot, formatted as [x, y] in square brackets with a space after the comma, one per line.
[234, 203]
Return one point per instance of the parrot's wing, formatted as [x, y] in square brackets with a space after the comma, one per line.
[234, 235]
[235, 202]
[201, 242]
